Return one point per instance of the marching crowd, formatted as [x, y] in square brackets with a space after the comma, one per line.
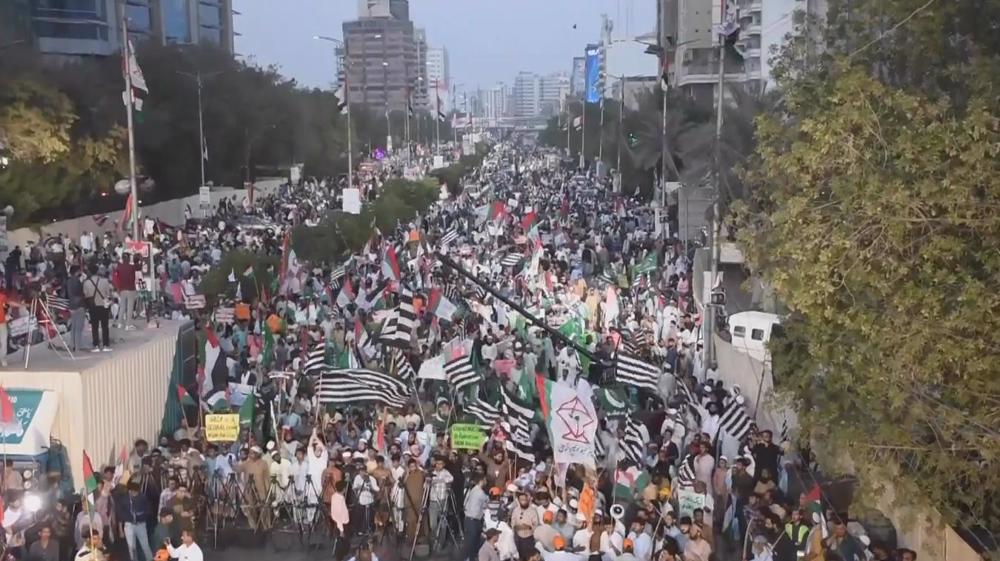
[579, 338]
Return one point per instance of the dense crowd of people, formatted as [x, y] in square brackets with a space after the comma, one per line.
[357, 371]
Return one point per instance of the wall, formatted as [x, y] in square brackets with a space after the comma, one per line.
[171, 212]
[107, 406]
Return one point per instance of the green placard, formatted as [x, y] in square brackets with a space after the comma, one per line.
[467, 437]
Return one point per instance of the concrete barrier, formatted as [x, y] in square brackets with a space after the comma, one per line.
[171, 212]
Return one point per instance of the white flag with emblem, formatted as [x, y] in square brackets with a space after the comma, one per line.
[573, 423]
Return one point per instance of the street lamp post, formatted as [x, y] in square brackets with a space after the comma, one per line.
[197, 77]
[347, 104]
[385, 98]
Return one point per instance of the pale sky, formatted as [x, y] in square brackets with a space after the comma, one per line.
[487, 40]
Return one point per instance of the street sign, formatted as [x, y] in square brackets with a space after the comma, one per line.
[205, 200]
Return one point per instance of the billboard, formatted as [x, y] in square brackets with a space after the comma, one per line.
[593, 74]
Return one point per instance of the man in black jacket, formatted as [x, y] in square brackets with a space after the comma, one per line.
[133, 511]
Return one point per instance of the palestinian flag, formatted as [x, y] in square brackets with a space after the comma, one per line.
[218, 403]
[390, 265]
[439, 305]
[346, 295]
[185, 398]
[529, 220]
[498, 211]
[630, 482]
[127, 220]
[216, 373]
[248, 272]
[89, 477]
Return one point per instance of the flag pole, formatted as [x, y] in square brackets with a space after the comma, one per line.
[129, 99]
[437, 118]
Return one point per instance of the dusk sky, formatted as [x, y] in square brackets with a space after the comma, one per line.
[487, 40]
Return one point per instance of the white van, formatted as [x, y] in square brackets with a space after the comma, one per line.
[750, 332]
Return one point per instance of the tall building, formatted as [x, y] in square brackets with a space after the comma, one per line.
[438, 75]
[763, 26]
[421, 86]
[526, 95]
[496, 101]
[381, 62]
[577, 76]
[93, 27]
[552, 92]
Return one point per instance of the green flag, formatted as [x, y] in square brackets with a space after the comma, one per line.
[247, 410]
[647, 265]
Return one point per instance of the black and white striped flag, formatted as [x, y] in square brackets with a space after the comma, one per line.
[460, 373]
[451, 292]
[734, 419]
[401, 366]
[634, 372]
[449, 237]
[315, 359]
[55, 303]
[635, 441]
[516, 421]
[511, 260]
[398, 328]
[353, 385]
[685, 473]
[484, 413]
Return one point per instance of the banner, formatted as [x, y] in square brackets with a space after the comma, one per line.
[592, 74]
[688, 501]
[467, 437]
[222, 428]
[573, 424]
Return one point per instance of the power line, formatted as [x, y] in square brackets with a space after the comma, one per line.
[891, 29]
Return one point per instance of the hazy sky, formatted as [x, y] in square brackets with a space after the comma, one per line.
[487, 40]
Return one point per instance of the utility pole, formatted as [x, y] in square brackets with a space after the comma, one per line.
[600, 133]
[709, 323]
[621, 131]
[583, 136]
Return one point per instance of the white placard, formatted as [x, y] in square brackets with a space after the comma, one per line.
[352, 201]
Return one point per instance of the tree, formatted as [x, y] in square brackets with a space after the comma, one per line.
[874, 217]
[339, 233]
[35, 121]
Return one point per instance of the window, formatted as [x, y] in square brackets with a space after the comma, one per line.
[757, 334]
[211, 35]
[71, 9]
[739, 331]
[71, 30]
[176, 21]
[208, 16]
[138, 19]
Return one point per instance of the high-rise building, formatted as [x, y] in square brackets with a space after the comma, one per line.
[552, 92]
[496, 101]
[93, 27]
[526, 95]
[421, 86]
[381, 62]
[438, 75]
[577, 77]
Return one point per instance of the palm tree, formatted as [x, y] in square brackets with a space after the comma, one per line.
[738, 142]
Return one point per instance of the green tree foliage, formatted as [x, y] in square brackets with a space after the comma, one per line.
[35, 121]
[875, 219]
[216, 283]
[339, 233]
[254, 119]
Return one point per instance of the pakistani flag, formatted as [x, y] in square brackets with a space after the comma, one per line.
[647, 265]
[247, 410]
[612, 401]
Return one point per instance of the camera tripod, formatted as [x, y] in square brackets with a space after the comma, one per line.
[441, 529]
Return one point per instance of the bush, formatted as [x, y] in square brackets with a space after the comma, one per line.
[216, 282]
[339, 233]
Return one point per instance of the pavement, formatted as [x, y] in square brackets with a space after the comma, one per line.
[248, 547]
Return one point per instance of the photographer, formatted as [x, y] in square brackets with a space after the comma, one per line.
[364, 486]
[475, 508]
